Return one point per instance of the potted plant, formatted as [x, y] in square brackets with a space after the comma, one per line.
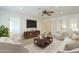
[4, 31]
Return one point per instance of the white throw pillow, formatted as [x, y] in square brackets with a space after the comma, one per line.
[67, 40]
[75, 37]
[3, 39]
[9, 40]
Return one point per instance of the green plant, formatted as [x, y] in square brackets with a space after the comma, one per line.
[4, 31]
[45, 33]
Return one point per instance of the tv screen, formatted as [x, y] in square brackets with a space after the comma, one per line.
[31, 24]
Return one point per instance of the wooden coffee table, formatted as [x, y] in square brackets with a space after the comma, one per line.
[43, 42]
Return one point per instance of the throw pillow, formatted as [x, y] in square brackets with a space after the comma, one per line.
[67, 40]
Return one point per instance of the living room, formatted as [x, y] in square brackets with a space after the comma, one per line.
[27, 24]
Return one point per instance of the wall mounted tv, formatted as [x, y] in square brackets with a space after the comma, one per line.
[31, 23]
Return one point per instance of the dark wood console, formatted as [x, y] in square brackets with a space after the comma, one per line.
[31, 34]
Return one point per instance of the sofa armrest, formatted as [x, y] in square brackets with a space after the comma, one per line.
[71, 51]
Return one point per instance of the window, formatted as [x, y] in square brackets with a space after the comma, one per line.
[14, 25]
[74, 25]
[63, 25]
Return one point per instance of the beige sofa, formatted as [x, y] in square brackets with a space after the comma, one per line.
[60, 35]
[12, 48]
[10, 45]
[69, 46]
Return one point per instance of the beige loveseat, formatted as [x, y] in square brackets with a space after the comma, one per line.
[69, 46]
[12, 48]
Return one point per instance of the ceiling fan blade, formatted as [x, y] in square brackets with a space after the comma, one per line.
[51, 12]
[48, 14]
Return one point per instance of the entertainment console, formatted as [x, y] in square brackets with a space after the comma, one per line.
[31, 34]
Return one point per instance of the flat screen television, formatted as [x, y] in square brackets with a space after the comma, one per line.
[31, 23]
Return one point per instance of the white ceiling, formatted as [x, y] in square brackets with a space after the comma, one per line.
[34, 10]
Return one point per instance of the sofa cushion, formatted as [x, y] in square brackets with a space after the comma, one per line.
[11, 48]
[71, 46]
[67, 40]
[9, 40]
[75, 37]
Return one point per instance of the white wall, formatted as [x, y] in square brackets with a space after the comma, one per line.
[5, 20]
[59, 23]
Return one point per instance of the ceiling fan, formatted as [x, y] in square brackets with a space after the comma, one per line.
[46, 12]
